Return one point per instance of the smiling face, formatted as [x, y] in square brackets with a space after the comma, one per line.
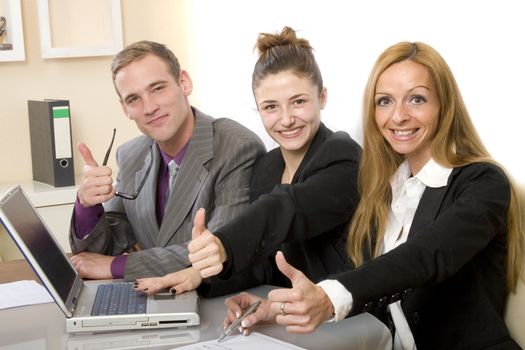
[290, 109]
[157, 102]
[407, 111]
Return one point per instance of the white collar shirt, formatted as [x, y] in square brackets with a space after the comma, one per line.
[407, 191]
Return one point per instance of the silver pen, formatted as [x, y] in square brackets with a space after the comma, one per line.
[238, 321]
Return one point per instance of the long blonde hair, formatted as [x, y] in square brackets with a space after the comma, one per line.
[455, 144]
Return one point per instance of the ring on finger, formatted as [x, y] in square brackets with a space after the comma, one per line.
[282, 308]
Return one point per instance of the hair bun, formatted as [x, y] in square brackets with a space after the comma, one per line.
[287, 37]
[279, 52]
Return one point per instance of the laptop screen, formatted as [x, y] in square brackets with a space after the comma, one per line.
[20, 213]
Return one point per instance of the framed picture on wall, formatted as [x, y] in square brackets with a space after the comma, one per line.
[79, 28]
[11, 31]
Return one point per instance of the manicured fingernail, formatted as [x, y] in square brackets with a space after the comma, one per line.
[237, 314]
[245, 323]
[240, 329]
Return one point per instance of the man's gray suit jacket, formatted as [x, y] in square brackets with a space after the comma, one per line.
[215, 175]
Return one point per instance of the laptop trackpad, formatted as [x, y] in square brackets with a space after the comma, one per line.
[167, 302]
[164, 296]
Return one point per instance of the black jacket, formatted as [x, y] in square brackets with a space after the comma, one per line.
[450, 274]
[306, 219]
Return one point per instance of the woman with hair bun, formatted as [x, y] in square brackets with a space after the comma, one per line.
[303, 193]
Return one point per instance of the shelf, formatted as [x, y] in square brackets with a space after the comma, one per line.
[44, 195]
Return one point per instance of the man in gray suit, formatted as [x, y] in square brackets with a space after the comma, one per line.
[145, 224]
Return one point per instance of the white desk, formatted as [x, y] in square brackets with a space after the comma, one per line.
[54, 204]
[43, 327]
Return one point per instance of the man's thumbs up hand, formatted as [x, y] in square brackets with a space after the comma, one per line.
[96, 185]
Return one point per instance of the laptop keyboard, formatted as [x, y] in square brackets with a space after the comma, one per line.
[118, 299]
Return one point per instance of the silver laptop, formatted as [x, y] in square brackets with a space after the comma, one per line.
[76, 297]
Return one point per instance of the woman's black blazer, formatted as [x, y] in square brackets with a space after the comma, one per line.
[450, 274]
[306, 219]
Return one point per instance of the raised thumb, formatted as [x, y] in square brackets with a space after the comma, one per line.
[288, 270]
[85, 152]
[198, 223]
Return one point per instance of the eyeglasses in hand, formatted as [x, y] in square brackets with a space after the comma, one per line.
[134, 195]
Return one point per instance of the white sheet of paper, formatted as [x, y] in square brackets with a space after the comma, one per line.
[22, 293]
[255, 341]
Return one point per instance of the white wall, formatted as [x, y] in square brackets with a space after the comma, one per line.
[482, 42]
